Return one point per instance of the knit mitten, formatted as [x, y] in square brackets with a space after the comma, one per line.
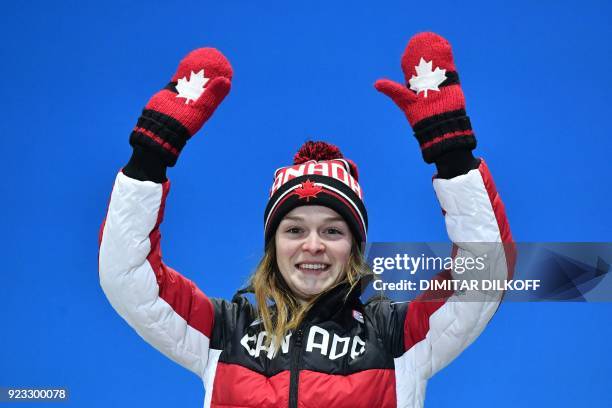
[178, 111]
[432, 98]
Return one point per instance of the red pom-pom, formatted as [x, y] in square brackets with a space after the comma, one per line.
[322, 151]
[316, 151]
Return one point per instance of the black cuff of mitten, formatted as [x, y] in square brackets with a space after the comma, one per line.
[161, 133]
[145, 165]
[456, 163]
[443, 133]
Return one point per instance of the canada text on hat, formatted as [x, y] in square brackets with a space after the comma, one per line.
[338, 169]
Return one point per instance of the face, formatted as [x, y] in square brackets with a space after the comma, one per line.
[313, 244]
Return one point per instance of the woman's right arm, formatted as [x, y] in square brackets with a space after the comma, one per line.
[164, 307]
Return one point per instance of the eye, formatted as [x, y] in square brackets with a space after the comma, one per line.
[334, 231]
[294, 230]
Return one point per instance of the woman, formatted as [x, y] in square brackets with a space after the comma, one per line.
[308, 340]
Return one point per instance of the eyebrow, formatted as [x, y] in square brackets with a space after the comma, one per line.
[326, 219]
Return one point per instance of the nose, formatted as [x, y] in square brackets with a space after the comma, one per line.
[313, 244]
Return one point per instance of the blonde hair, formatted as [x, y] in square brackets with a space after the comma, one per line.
[271, 289]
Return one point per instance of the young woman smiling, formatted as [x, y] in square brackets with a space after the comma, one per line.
[307, 340]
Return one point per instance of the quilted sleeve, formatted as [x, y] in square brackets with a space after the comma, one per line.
[435, 332]
[165, 308]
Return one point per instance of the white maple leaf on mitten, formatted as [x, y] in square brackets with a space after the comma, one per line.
[427, 79]
[191, 89]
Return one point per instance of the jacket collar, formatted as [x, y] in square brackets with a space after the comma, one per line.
[336, 302]
[332, 305]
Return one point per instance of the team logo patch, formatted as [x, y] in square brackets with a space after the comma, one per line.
[358, 316]
[191, 88]
[427, 79]
[308, 190]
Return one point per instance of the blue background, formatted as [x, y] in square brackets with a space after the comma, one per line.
[76, 75]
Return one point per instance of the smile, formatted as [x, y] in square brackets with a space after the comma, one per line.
[312, 267]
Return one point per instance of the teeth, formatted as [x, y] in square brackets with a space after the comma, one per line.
[313, 266]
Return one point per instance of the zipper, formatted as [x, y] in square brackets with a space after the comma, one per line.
[296, 357]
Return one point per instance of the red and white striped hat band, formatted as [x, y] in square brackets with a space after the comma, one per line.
[336, 168]
[328, 183]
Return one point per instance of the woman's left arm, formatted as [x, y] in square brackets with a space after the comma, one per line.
[431, 331]
[441, 324]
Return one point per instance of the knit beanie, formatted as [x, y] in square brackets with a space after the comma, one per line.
[320, 175]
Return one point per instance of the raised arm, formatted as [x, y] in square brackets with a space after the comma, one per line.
[437, 331]
[164, 307]
[428, 334]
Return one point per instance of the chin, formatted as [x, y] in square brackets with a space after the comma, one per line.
[314, 289]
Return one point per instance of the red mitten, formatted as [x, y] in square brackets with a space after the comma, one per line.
[178, 111]
[432, 98]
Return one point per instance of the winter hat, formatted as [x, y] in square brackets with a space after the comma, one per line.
[320, 175]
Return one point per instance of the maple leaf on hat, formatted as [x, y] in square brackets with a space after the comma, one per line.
[191, 89]
[427, 79]
[308, 190]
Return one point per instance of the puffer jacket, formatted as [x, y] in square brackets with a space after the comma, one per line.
[345, 354]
